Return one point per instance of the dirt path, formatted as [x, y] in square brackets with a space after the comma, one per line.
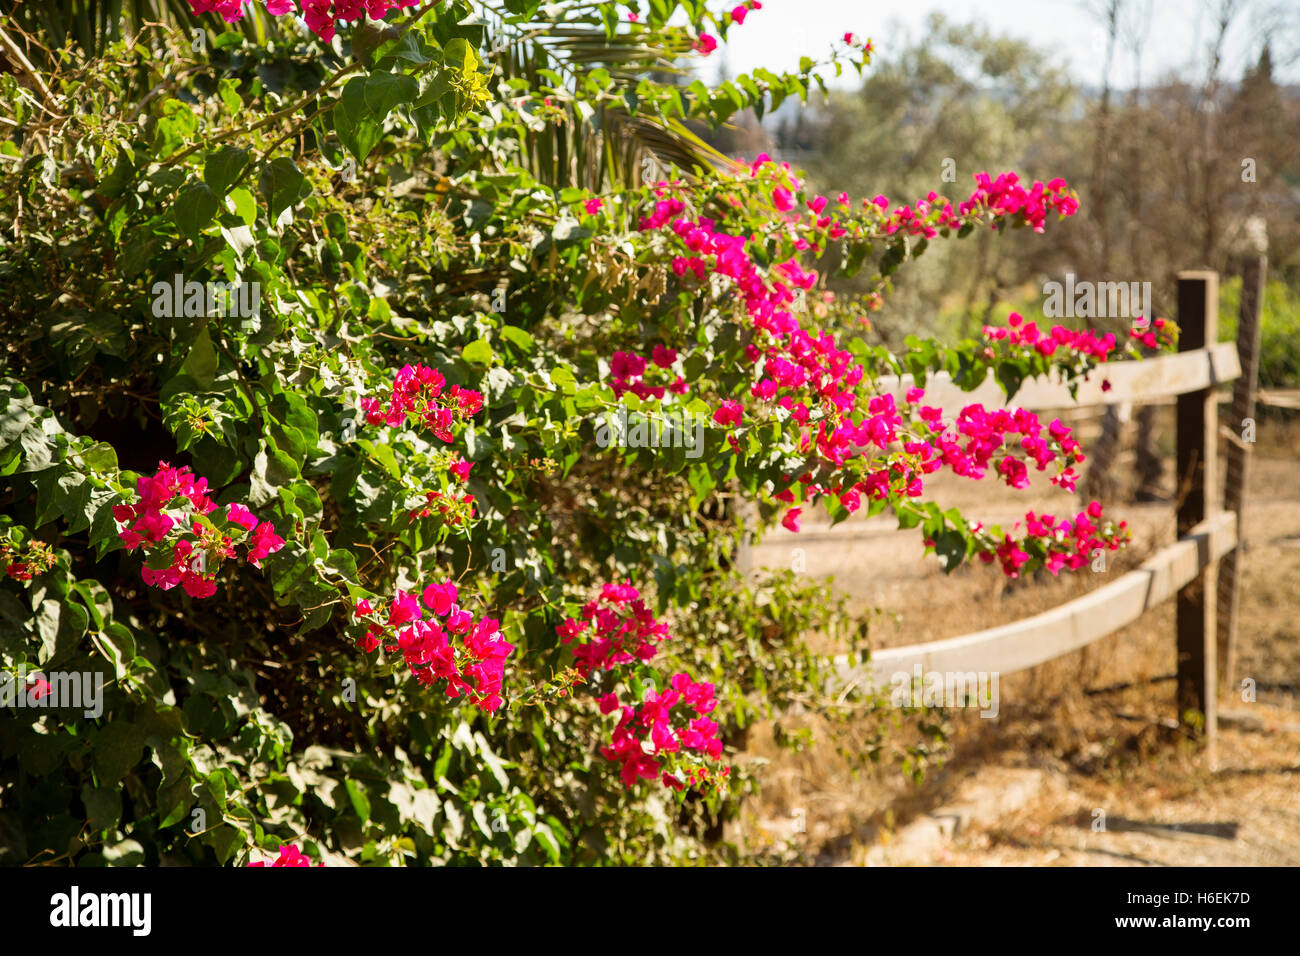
[1161, 811]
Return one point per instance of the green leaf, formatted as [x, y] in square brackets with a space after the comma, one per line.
[496, 766]
[118, 747]
[201, 362]
[407, 48]
[950, 545]
[124, 853]
[383, 91]
[478, 351]
[358, 798]
[101, 457]
[60, 625]
[245, 207]
[459, 55]
[343, 563]
[96, 599]
[283, 185]
[118, 642]
[517, 336]
[195, 207]
[103, 807]
[224, 840]
[222, 169]
[227, 90]
[356, 129]
[562, 377]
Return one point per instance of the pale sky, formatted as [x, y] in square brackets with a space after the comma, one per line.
[1179, 34]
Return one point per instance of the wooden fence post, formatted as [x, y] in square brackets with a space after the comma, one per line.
[1197, 475]
[747, 511]
[1234, 490]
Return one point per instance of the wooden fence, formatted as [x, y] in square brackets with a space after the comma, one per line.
[1187, 571]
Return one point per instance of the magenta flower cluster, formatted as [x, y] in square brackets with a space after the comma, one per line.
[1068, 543]
[627, 374]
[622, 630]
[657, 736]
[321, 16]
[448, 646]
[290, 855]
[805, 374]
[1021, 333]
[172, 513]
[420, 391]
[663, 725]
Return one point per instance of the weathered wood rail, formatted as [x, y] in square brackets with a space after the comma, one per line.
[1135, 382]
[1035, 640]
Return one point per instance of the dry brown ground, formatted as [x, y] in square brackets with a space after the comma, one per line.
[1099, 746]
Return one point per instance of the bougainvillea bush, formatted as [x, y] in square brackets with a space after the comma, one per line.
[329, 366]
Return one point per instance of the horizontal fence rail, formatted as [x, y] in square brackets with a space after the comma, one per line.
[1034, 640]
[1136, 382]
[1280, 397]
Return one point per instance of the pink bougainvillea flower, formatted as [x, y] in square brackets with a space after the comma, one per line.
[791, 520]
[706, 44]
[468, 656]
[439, 598]
[739, 13]
[803, 373]
[418, 391]
[593, 206]
[240, 515]
[264, 542]
[228, 10]
[405, 608]
[196, 585]
[728, 413]
[459, 621]
[671, 725]
[619, 593]
[319, 18]
[290, 855]
[197, 549]
[663, 357]
[370, 640]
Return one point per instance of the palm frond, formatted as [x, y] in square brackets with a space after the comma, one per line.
[90, 26]
[613, 146]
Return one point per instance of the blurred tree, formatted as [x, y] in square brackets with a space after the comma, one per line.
[960, 101]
